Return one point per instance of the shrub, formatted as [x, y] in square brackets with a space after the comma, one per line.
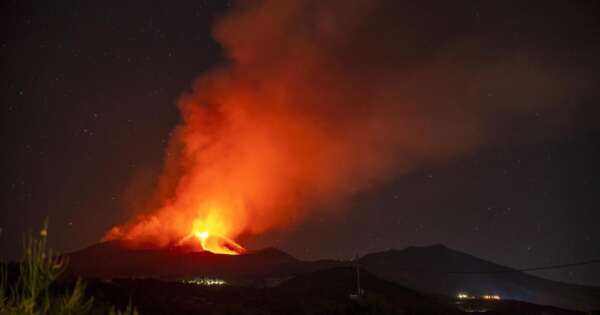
[30, 293]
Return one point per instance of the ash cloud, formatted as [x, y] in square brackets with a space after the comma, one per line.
[320, 99]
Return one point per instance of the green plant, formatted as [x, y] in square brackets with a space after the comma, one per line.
[129, 310]
[31, 293]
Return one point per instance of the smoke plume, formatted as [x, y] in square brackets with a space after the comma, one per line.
[320, 99]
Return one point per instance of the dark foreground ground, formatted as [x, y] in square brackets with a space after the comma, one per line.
[322, 292]
[269, 281]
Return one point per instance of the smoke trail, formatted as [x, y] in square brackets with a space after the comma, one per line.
[324, 98]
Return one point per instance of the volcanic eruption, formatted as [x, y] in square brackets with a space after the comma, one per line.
[215, 243]
[320, 99]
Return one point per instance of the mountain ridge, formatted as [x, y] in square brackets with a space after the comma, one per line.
[434, 269]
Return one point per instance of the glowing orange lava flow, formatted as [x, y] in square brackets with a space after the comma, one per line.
[213, 242]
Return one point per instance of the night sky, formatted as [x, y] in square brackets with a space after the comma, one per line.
[88, 107]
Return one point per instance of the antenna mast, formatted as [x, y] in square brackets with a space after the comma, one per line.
[358, 289]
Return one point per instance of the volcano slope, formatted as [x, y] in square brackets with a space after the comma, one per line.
[440, 270]
[422, 269]
[320, 292]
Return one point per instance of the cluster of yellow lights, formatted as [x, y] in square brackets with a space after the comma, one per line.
[465, 296]
[490, 297]
[206, 281]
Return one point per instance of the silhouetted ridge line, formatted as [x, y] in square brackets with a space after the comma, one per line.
[550, 267]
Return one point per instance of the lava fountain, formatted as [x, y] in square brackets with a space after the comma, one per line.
[208, 231]
[315, 104]
[212, 242]
[287, 128]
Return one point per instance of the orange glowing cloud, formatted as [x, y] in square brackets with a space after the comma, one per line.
[319, 99]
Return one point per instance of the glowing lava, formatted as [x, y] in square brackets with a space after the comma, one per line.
[202, 236]
[218, 244]
[213, 242]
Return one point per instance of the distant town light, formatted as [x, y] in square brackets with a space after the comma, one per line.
[490, 297]
[464, 296]
[206, 281]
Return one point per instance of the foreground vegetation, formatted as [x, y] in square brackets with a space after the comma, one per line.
[33, 290]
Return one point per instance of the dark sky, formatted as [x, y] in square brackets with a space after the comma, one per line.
[88, 105]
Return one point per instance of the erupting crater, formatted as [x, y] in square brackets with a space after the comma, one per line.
[210, 241]
[217, 244]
